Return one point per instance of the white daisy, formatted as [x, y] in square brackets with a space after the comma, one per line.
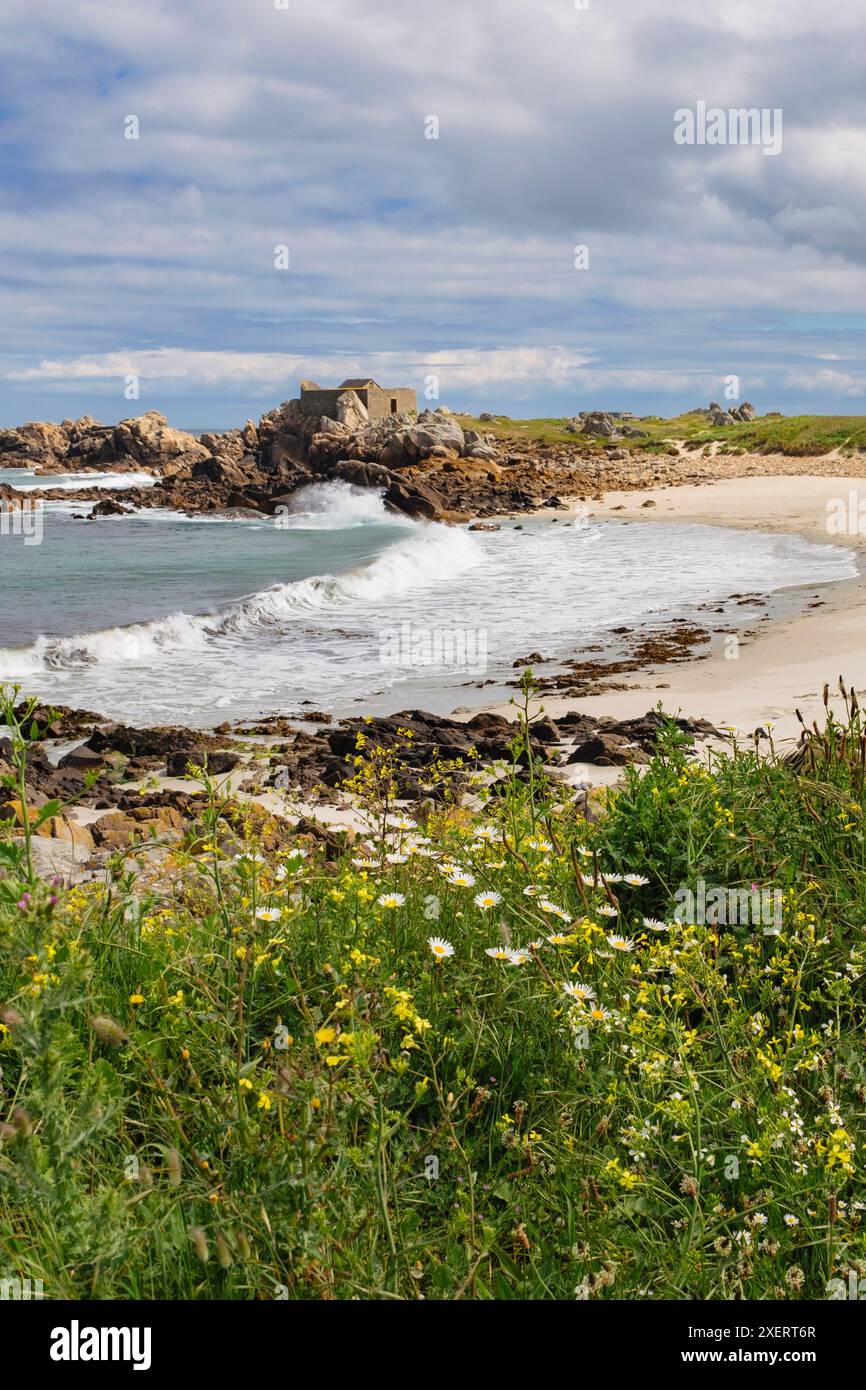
[461, 879]
[441, 948]
[575, 990]
[519, 957]
[268, 914]
[635, 880]
[390, 900]
[497, 952]
[487, 900]
[653, 924]
[553, 910]
[598, 1014]
[607, 910]
[619, 943]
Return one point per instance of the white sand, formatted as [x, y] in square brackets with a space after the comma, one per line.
[785, 665]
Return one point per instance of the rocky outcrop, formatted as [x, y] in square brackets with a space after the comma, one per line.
[143, 441]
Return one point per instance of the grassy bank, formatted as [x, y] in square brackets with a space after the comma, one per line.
[796, 435]
[473, 1054]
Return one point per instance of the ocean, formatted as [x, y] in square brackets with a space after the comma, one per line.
[343, 606]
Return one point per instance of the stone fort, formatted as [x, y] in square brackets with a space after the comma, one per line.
[380, 401]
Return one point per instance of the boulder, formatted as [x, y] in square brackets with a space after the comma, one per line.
[230, 444]
[118, 829]
[61, 828]
[414, 499]
[608, 750]
[84, 758]
[217, 762]
[599, 423]
[150, 439]
[351, 411]
[108, 507]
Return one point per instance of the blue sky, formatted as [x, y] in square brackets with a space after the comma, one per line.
[412, 258]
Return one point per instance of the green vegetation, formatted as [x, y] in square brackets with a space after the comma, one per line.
[796, 435]
[476, 1056]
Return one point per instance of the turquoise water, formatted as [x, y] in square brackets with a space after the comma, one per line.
[160, 618]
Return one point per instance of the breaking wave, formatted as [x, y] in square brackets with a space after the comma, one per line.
[432, 555]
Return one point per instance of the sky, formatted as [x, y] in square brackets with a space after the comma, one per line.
[331, 188]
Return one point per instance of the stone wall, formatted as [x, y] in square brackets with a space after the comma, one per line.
[323, 400]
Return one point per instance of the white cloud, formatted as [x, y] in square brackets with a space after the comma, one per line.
[305, 126]
[267, 371]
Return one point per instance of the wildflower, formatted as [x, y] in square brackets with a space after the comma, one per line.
[441, 948]
[607, 910]
[553, 910]
[268, 914]
[325, 1035]
[487, 900]
[497, 952]
[264, 1101]
[461, 879]
[557, 939]
[653, 924]
[790, 1220]
[619, 943]
[575, 990]
[519, 957]
[598, 1014]
[635, 880]
[543, 846]
[396, 858]
[136, 999]
[390, 900]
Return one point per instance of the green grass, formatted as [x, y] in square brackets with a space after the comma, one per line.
[796, 435]
[257, 1081]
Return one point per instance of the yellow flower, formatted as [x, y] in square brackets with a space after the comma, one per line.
[325, 1035]
[136, 999]
[264, 1101]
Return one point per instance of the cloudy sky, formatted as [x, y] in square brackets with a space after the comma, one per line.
[304, 124]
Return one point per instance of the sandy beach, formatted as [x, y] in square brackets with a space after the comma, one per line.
[777, 670]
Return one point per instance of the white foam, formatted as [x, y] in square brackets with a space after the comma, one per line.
[433, 554]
